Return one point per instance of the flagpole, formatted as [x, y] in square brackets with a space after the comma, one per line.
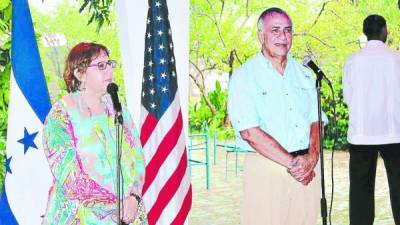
[118, 148]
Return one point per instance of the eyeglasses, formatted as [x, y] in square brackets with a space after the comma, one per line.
[286, 31]
[103, 65]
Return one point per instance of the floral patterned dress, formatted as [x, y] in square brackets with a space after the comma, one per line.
[82, 157]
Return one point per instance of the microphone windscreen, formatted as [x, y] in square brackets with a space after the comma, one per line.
[112, 88]
[306, 60]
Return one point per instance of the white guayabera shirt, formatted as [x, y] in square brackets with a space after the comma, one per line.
[371, 89]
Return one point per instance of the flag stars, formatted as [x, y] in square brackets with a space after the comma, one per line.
[8, 168]
[169, 32]
[159, 18]
[172, 59]
[173, 73]
[158, 4]
[162, 61]
[152, 91]
[151, 77]
[148, 35]
[164, 89]
[171, 45]
[152, 105]
[160, 33]
[161, 47]
[28, 140]
[163, 75]
[148, 21]
[150, 63]
[143, 94]
[149, 50]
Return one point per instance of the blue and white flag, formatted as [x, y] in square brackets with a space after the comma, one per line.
[28, 177]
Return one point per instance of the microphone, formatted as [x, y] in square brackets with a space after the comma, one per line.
[112, 89]
[308, 62]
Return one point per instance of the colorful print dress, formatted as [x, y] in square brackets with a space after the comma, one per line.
[82, 157]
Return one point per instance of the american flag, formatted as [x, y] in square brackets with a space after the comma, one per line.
[167, 192]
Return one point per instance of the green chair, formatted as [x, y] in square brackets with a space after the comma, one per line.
[200, 142]
[229, 147]
[225, 145]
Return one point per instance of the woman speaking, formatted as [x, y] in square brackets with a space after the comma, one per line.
[80, 145]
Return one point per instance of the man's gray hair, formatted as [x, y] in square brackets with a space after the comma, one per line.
[267, 12]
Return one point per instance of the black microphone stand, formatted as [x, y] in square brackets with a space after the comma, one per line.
[118, 121]
[321, 150]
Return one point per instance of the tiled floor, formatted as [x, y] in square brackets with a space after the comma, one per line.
[220, 204]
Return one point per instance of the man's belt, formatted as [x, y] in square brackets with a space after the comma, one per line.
[299, 152]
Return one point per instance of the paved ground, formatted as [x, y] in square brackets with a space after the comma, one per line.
[220, 204]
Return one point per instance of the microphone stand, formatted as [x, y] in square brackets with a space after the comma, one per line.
[118, 121]
[321, 150]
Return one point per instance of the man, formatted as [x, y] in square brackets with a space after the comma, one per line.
[273, 107]
[371, 89]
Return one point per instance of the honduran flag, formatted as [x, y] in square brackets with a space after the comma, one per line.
[28, 177]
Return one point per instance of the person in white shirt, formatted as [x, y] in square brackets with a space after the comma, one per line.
[371, 90]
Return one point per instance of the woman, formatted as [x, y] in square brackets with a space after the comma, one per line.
[79, 142]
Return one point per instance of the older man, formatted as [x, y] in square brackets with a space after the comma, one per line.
[273, 107]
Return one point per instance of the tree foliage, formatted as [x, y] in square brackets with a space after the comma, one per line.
[99, 11]
[223, 36]
[5, 68]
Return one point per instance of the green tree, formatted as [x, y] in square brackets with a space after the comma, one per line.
[5, 68]
[223, 36]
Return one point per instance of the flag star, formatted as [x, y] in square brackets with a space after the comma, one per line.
[149, 49]
[160, 32]
[171, 45]
[150, 63]
[152, 91]
[161, 47]
[163, 75]
[151, 77]
[164, 89]
[143, 94]
[28, 140]
[169, 32]
[159, 18]
[148, 21]
[162, 61]
[8, 168]
[158, 4]
[152, 105]
[143, 80]
[173, 73]
[148, 35]
[172, 59]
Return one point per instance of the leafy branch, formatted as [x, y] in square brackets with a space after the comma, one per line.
[99, 10]
[201, 86]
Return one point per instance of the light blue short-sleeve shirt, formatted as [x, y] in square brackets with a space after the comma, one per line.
[284, 106]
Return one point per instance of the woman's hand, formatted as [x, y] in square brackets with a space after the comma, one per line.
[130, 209]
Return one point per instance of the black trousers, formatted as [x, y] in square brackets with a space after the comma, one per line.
[363, 160]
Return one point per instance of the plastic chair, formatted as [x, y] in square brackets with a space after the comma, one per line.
[201, 145]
